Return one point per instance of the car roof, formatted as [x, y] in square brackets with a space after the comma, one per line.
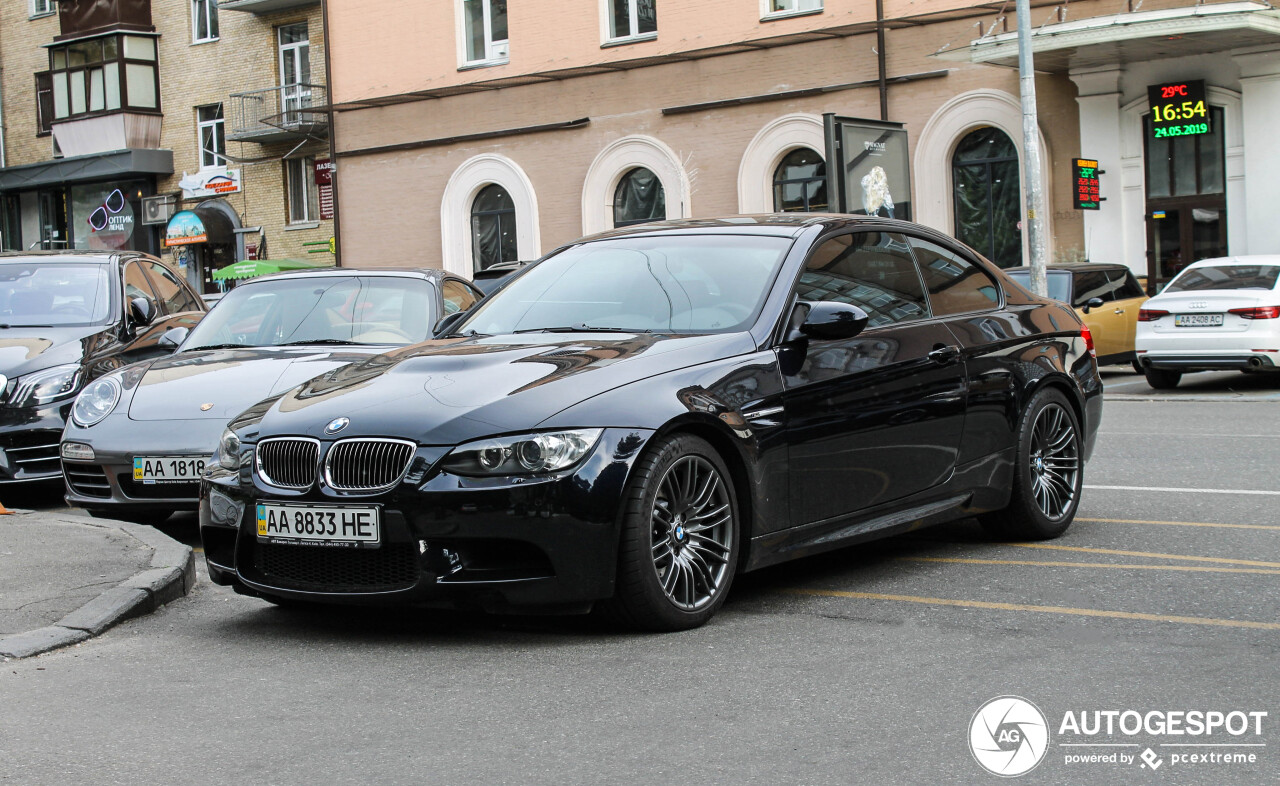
[425, 273]
[1244, 259]
[764, 224]
[99, 257]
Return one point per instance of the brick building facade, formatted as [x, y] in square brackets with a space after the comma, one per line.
[235, 79]
[502, 130]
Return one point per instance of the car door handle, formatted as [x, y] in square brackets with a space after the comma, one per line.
[1119, 311]
[944, 353]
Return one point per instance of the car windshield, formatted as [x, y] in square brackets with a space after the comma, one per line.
[1225, 277]
[1059, 282]
[38, 293]
[643, 283]
[319, 310]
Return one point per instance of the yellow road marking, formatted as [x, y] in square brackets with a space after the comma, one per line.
[1148, 554]
[983, 604]
[1179, 523]
[1193, 568]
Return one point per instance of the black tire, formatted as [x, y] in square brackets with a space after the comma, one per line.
[1047, 476]
[1137, 367]
[1161, 379]
[671, 577]
[148, 518]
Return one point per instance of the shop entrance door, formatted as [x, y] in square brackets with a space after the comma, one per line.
[53, 220]
[1182, 233]
[1186, 199]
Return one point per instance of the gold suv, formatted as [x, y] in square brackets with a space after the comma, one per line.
[1106, 297]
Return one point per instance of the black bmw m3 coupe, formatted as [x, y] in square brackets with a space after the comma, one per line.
[643, 414]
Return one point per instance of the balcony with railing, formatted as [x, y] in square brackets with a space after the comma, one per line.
[278, 114]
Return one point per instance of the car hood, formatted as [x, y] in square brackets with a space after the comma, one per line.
[452, 390]
[24, 350]
[178, 387]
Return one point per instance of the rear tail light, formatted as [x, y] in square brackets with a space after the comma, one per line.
[1150, 314]
[1088, 340]
[1259, 312]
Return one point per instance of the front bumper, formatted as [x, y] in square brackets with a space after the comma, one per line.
[496, 544]
[106, 482]
[29, 443]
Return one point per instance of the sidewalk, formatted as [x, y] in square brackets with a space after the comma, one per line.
[64, 578]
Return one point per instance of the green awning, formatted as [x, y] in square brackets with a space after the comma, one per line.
[250, 268]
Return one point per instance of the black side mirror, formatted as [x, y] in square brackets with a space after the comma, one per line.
[142, 310]
[1094, 302]
[446, 324]
[173, 337]
[828, 320]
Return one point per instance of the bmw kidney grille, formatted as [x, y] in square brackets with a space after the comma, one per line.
[367, 465]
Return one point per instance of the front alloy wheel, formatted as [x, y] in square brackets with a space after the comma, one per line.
[679, 537]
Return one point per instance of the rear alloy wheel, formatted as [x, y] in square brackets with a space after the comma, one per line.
[1048, 472]
[1161, 379]
[679, 541]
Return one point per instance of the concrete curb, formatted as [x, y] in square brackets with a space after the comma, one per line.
[171, 575]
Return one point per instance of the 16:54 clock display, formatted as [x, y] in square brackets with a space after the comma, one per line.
[1178, 109]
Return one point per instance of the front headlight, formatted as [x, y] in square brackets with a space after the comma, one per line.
[96, 401]
[45, 387]
[525, 454]
[228, 454]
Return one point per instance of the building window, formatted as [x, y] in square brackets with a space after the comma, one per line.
[639, 198]
[204, 20]
[632, 18]
[102, 75]
[211, 136]
[41, 8]
[44, 103]
[988, 200]
[300, 181]
[800, 183]
[484, 24]
[786, 7]
[493, 228]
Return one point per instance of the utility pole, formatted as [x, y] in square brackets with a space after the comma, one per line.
[1031, 148]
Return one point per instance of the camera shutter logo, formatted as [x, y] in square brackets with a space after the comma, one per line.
[1009, 736]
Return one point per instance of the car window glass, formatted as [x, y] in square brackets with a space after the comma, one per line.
[457, 297]
[1059, 282]
[871, 270]
[955, 285]
[1091, 284]
[1126, 285]
[49, 293]
[135, 283]
[176, 297]
[374, 310]
[1226, 277]
[681, 283]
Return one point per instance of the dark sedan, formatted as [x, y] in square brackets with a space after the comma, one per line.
[645, 413]
[67, 318]
[138, 439]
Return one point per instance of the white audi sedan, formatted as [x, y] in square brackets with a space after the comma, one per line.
[1219, 313]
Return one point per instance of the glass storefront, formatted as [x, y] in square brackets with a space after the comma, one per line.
[108, 216]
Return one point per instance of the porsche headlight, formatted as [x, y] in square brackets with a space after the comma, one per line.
[525, 454]
[229, 450]
[96, 401]
[45, 387]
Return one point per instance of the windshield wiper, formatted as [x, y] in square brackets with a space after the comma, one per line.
[473, 333]
[220, 346]
[342, 341]
[581, 327]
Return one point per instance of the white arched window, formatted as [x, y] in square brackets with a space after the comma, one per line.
[616, 163]
[517, 208]
[765, 153]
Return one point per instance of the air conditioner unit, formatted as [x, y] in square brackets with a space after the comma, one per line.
[158, 209]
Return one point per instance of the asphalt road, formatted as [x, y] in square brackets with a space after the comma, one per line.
[862, 666]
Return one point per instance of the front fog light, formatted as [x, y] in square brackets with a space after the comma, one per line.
[77, 451]
[223, 510]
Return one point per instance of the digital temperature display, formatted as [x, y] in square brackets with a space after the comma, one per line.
[1178, 109]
